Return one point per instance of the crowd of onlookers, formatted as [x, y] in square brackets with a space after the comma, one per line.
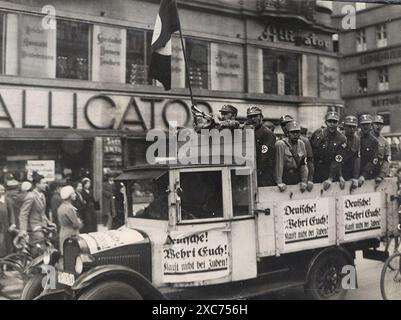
[68, 207]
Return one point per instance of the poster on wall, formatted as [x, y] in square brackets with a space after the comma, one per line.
[362, 214]
[38, 48]
[109, 54]
[227, 67]
[305, 220]
[198, 256]
[44, 167]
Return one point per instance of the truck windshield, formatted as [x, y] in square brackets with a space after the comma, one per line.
[149, 198]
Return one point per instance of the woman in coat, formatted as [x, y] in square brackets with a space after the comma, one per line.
[67, 216]
[7, 221]
[89, 215]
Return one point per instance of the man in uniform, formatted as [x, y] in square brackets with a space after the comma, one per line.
[382, 169]
[352, 155]
[369, 149]
[284, 120]
[264, 144]
[328, 146]
[291, 160]
[228, 115]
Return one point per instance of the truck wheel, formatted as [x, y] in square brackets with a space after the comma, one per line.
[33, 287]
[325, 278]
[114, 290]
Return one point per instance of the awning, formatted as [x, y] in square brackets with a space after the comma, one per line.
[141, 175]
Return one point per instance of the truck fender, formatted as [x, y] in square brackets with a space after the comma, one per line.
[329, 250]
[121, 273]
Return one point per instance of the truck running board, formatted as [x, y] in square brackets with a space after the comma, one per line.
[377, 255]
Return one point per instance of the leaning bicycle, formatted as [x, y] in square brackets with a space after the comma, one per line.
[390, 278]
[17, 268]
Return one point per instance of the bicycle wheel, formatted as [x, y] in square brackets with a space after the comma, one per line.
[393, 246]
[12, 280]
[22, 259]
[390, 279]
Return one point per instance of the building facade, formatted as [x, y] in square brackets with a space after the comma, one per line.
[371, 66]
[75, 95]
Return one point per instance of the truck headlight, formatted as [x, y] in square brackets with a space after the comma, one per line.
[79, 265]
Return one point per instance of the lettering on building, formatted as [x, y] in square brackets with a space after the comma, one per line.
[276, 33]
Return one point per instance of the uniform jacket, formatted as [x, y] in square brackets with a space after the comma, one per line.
[309, 157]
[265, 141]
[328, 152]
[369, 155]
[352, 158]
[32, 213]
[286, 164]
[382, 168]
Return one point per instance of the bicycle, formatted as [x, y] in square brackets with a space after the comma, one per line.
[17, 268]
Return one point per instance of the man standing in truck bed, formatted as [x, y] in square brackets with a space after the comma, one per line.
[264, 144]
[382, 169]
[328, 146]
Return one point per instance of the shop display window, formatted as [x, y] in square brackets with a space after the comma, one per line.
[138, 56]
[281, 72]
[198, 63]
[72, 50]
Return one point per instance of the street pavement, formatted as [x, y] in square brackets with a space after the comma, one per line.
[368, 272]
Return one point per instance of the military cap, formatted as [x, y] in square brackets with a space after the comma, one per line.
[332, 115]
[365, 118]
[253, 111]
[351, 121]
[285, 119]
[378, 119]
[293, 126]
[229, 108]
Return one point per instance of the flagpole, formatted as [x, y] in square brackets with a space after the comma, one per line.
[185, 55]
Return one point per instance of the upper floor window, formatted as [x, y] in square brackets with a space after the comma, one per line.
[138, 51]
[362, 82]
[198, 63]
[281, 72]
[73, 50]
[381, 36]
[383, 79]
[361, 40]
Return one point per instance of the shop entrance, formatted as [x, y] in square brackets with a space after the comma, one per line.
[72, 158]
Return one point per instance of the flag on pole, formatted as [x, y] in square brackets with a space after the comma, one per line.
[167, 22]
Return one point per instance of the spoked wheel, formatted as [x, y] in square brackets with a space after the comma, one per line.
[390, 280]
[20, 258]
[393, 246]
[12, 280]
[326, 277]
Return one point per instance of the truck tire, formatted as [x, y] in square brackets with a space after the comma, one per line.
[33, 287]
[325, 277]
[114, 290]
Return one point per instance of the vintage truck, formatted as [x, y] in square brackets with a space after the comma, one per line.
[208, 232]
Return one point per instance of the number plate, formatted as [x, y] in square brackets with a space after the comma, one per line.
[67, 279]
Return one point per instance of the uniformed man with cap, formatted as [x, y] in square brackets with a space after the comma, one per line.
[291, 163]
[328, 146]
[264, 144]
[382, 169]
[284, 120]
[369, 149]
[227, 120]
[352, 155]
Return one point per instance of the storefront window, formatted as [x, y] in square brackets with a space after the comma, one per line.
[281, 72]
[72, 50]
[137, 60]
[198, 62]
